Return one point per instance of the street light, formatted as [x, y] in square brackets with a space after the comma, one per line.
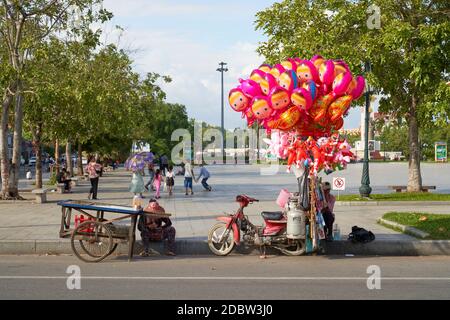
[222, 69]
[365, 188]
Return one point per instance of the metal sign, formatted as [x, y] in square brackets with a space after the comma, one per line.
[440, 151]
[339, 184]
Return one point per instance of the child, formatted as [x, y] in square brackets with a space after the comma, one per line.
[205, 173]
[157, 183]
[170, 181]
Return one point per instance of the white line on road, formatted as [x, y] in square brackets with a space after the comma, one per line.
[227, 278]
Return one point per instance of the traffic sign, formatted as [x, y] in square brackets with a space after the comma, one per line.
[339, 184]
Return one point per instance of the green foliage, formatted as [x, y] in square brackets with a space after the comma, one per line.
[398, 196]
[437, 225]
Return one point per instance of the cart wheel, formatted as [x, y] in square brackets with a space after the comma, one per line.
[92, 241]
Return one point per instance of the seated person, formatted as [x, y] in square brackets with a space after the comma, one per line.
[156, 229]
[181, 171]
[63, 177]
[327, 211]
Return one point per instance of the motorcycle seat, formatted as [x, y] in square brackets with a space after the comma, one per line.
[272, 215]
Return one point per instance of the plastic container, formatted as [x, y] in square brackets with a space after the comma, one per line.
[336, 233]
[283, 198]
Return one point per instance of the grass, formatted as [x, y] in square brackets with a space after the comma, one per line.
[437, 225]
[398, 196]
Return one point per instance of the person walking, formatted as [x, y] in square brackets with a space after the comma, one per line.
[157, 183]
[92, 169]
[151, 173]
[164, 164]
[205, 174]
[170, 180]
[137, 183]
[188, 176]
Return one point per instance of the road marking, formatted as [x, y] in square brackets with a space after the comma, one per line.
[226, 278]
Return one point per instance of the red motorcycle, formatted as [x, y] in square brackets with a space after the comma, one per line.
[224, 235]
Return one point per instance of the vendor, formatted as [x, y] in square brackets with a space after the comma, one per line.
[156, 229]
[327, 210]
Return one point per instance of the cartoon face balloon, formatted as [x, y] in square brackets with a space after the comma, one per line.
[238, 100]
[289, 64]
[311, 87]
[265, 67]
[340, 67]
[356, 87]
[257, 75]
[261, 107]
[279, 98]
[288, 80]
[277, 70]
[341, 83]
[317, 60]
[326, 72]
[307, 71]
[250, 88]
[268, 83]
[301, 98]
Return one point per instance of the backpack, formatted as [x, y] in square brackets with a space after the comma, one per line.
[360, 235]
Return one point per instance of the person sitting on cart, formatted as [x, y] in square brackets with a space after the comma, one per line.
[156, 229]
[327, 210]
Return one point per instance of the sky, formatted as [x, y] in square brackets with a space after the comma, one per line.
[186, 40]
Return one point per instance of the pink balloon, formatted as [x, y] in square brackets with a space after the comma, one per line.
[307, 71]
[341, 83]
[268, 83]
[288, 80]
[257, 75]
[326, 72]
[359, 89]
[279, 98]
[261, 107]
[302, 99]
[250, 88]
[238, 100]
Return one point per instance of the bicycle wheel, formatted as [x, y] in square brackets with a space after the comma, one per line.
[92, 241]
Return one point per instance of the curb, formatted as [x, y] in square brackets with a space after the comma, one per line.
[200, 247]
[406, 229]
[392, 203]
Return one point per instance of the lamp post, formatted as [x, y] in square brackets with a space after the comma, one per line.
[222, 69]
[365, 188]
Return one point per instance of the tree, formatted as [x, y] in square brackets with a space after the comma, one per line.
[408, 53]
[23, 25]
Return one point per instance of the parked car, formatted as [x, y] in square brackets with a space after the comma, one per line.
[32, 161]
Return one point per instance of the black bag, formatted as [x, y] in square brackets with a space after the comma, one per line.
[303, 188]
[360, 235]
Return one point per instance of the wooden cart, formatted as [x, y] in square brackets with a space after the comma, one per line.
[96, 238]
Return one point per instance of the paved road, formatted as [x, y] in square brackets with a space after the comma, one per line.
[230, 278]
[193, 216]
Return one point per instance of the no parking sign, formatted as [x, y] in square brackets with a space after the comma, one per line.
[339, 184]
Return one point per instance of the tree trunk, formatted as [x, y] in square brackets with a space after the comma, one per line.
[37, 132]
[57, 164]
[80, 160]
[69, 165]
[4, 157]
[414, 175]
[17, 145]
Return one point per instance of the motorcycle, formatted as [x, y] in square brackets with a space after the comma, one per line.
[225, 235]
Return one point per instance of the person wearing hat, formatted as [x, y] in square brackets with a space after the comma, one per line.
[156, 229]
[327, 210]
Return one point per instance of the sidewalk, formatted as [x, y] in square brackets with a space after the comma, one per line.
[29, 223]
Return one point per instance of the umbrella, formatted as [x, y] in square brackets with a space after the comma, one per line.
[138, 161]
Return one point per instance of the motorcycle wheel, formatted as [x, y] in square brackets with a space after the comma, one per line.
[297, 249]
[226, 245]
